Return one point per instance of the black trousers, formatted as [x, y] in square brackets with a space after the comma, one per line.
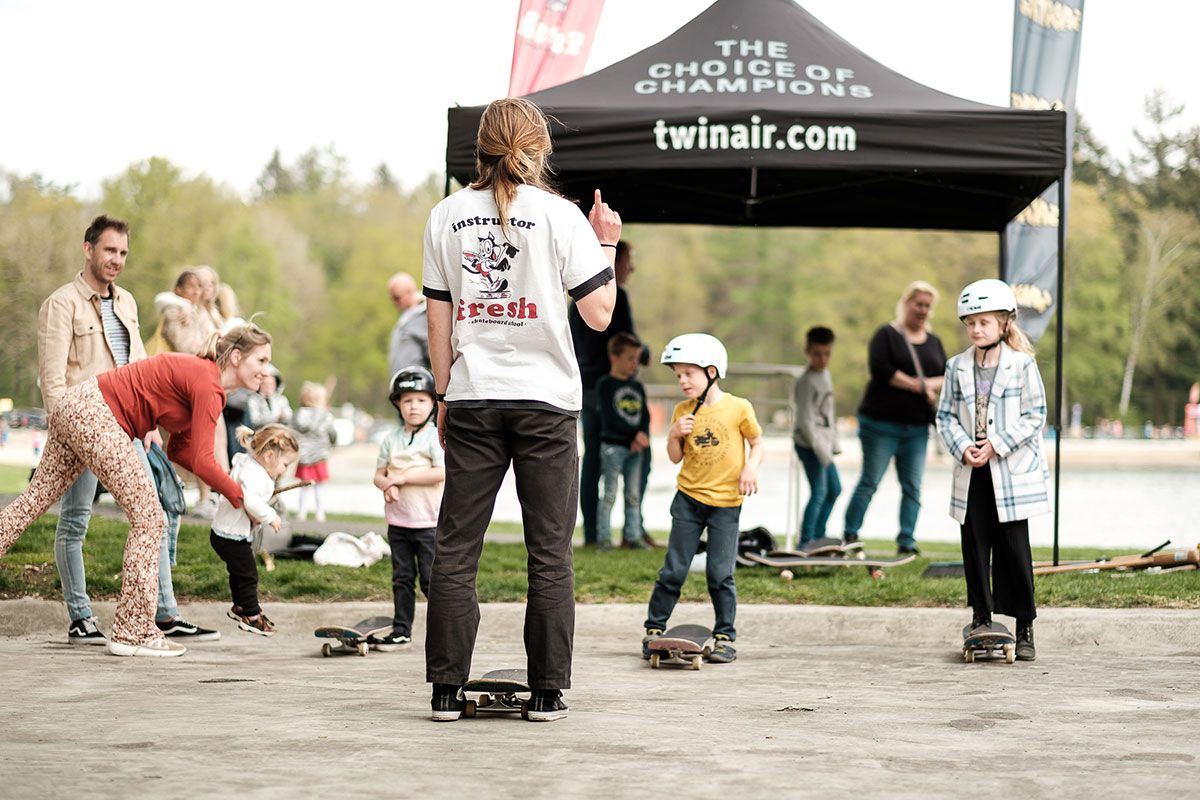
[412, 557]
[1008, 589]
[243, 572]
[480, 444]
[589, 475]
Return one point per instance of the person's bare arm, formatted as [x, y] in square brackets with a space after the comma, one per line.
[440, 316]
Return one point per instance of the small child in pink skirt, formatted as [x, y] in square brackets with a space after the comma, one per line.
[313, 424]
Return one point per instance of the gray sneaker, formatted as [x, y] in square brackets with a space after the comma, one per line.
[723, 651]
[86, 631]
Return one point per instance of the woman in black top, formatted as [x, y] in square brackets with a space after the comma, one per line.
[907, 363]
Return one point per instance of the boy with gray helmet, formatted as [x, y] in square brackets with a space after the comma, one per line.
[991, 415]
[410, 471]
[709, 433]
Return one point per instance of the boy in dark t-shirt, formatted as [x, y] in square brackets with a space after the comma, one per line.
[624, 434]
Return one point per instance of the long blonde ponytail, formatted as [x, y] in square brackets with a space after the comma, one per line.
[512, 149]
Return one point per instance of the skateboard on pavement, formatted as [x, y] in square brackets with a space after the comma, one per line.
[356, 638]
[688, 643]
[502, 690]
[997, 639]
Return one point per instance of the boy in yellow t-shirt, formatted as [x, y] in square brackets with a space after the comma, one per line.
[709, 433]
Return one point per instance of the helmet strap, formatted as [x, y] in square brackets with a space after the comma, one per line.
[704, 394]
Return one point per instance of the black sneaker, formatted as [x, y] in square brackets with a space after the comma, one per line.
[181, 629]
[448, 702]
[634, 544]
[389, 642]
[1025, 649]
[907, 550]
[651, 635]
[85, 631]
[849, 538]
[723, 651]
[546, 705]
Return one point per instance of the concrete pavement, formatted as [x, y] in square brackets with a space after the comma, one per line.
[823, 702]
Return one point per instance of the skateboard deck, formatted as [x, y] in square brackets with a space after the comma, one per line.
[791, 560]
[352, 639]
[997, 639]
[500, 690]
[688, 643]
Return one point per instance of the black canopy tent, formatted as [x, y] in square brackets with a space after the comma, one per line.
[754, 113]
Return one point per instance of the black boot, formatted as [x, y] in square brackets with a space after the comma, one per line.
[1025, 649]
[981, 622]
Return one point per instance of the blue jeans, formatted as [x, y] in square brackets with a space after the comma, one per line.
[689, 518]
[881, 442]
[615, 461]
[826, 486]
[75, 512]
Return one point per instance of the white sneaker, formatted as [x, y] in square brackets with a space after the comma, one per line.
[206, 509]
[319, 516]
[156, 648]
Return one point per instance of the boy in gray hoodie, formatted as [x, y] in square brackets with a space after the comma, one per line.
[815, 433]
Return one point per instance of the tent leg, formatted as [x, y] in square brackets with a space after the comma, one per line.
[1059, 355]
[446, 185]
[1003, 271]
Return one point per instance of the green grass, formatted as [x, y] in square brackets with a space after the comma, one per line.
[13, 480]
[614, 576]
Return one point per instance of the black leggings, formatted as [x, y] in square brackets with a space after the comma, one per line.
[1005, 545]
[243, 572]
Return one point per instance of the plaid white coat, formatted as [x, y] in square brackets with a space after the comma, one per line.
[1016, 416]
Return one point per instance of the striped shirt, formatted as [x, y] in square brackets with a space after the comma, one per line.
[114, 331]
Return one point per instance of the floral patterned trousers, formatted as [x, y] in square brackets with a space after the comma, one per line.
[84, 434]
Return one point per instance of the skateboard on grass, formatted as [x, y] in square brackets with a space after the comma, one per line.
[356, 638]
[824, 547]
[688, 643]
[501, 690]
[997, 639]
[789, 560]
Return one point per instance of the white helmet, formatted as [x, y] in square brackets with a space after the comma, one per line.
[988, 294]
[699, 349]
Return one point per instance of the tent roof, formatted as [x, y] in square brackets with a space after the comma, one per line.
[755, 113]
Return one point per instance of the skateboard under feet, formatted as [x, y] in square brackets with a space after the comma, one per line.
[998, 639]
[687, 643]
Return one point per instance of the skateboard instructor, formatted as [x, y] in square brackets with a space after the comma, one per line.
[499, 256]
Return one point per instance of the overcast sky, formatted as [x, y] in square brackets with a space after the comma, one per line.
[87, 88]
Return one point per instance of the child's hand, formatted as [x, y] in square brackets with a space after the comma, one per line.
[683, 426]
[391, 494]
[277, 523]
[748, 481]
[640, 442]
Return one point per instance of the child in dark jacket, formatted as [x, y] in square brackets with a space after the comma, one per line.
[624, 434]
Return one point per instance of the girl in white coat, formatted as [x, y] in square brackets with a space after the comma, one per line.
[991, 414]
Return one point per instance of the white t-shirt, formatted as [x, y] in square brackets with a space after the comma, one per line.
[510, 338]
[418, 504]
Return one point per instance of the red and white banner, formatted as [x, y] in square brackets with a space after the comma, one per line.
[552, 43]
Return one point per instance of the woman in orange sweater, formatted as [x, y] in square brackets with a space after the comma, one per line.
[90, 428]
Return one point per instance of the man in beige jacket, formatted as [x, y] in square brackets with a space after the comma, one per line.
[87, 327]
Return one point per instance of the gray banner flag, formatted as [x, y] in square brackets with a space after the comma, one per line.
[1045, 65]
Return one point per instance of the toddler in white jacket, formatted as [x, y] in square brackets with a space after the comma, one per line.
[270, 452]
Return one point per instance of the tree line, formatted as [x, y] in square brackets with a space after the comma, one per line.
[312, 250]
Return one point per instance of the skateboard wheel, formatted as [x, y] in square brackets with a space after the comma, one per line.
[1010, 653]
[363, 648]
[969, 656]
[326, 650]
[469, 709]
[697, 661]
[654, 660]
